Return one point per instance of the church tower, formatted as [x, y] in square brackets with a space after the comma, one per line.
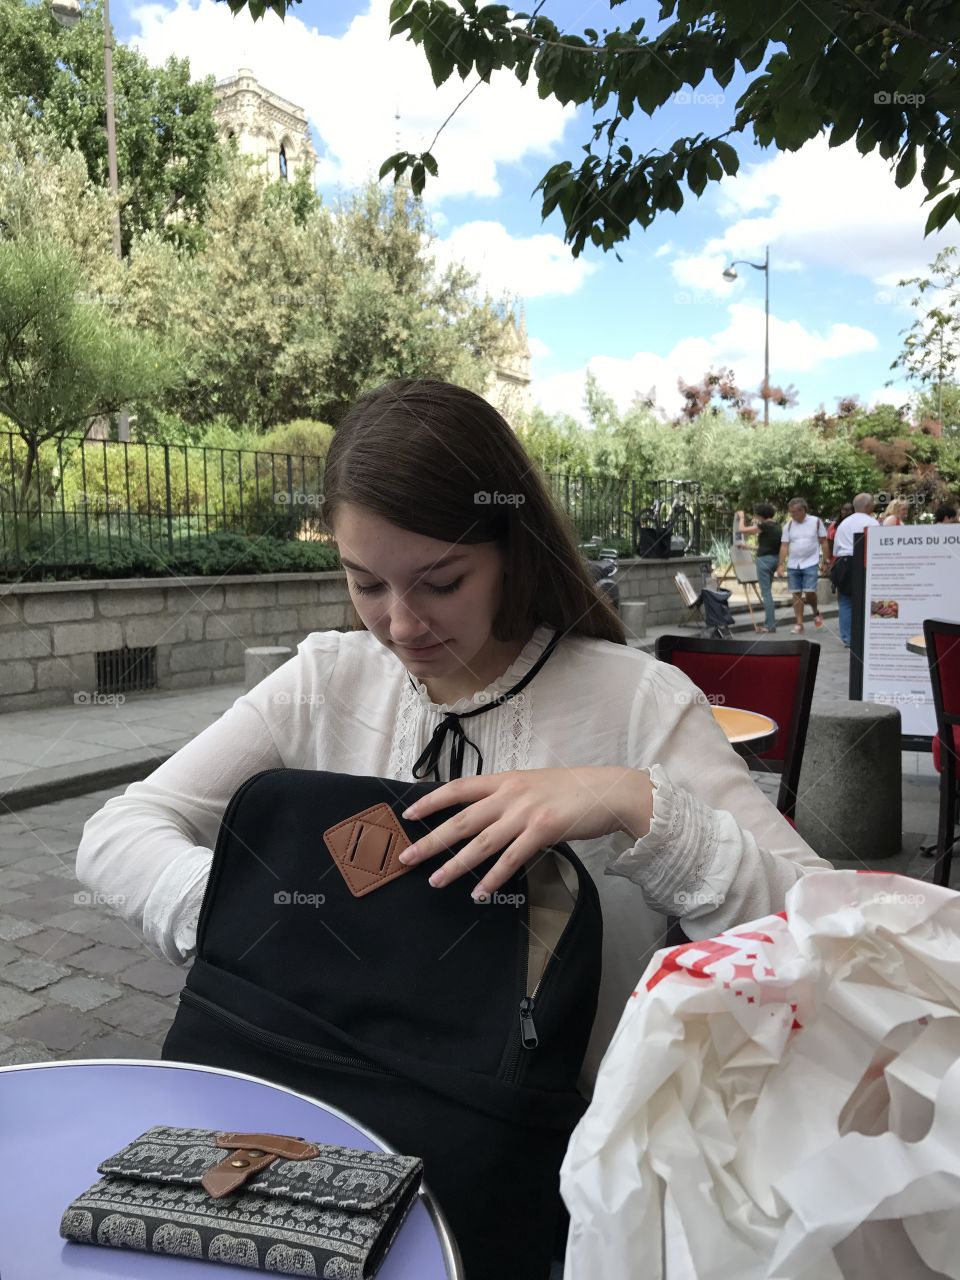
[265, 125]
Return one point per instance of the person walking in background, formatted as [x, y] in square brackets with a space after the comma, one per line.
[769, 532]
[894, 512]
[946, 513]
[841, 570]
[845, 510]
[803, 550]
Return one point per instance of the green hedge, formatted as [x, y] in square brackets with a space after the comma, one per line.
[222, 553]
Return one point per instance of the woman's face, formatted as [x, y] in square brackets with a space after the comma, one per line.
[409, 601]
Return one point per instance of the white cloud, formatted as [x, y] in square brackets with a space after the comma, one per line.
[351, 87]
[794, 350]
[818, 207]
[529, 266]
[664, 250]
[538, 348]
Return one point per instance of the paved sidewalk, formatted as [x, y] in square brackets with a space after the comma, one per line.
[56, 752]
[76, 980]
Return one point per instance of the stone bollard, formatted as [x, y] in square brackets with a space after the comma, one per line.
[259, 662]
[633, 615]
[849, 804]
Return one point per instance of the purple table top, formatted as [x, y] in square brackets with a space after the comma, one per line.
[58, 1120]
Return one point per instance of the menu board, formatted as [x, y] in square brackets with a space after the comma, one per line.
[912, 572]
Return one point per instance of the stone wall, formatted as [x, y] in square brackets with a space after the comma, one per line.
[51, 631]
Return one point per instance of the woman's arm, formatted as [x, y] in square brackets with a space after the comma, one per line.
[718, 852]
[151, 848]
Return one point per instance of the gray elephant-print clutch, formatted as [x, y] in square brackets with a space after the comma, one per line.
[258, 1200]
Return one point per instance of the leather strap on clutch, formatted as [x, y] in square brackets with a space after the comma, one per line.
[249, 1153]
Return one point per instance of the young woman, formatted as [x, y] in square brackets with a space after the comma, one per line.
[803, 552]
[767, 557]
[463, 571]
[895, 512]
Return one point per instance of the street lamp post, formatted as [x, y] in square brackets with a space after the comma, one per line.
[730, 274]
[68, 13]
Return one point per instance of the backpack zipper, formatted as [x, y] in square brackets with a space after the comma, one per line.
[278, 1043]
[528, 1038]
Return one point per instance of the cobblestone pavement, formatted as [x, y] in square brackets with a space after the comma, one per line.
[76, 981]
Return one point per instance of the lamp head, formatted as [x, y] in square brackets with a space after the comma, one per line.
[729, 273]
[66, 12]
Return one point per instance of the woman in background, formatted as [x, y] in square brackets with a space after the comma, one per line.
[769, 532]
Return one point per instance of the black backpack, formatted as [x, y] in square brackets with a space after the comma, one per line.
[324, 965]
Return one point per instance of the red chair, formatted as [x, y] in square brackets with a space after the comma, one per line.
[771, 677]
[943, 656]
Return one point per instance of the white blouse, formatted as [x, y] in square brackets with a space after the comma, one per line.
[718, 853]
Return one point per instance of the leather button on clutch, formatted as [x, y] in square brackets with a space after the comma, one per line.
[239, 1164]
[256, 1153]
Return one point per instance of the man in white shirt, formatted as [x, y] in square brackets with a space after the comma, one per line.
[803, 549]
[843, 551]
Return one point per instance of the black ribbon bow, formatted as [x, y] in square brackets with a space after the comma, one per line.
[430, 758]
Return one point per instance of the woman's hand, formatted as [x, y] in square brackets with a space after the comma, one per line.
[523, 811]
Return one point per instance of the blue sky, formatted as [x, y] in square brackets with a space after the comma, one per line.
[840, 233]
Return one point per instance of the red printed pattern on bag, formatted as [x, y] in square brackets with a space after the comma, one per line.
[710, 953]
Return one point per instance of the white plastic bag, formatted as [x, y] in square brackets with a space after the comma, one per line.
[782, 1101]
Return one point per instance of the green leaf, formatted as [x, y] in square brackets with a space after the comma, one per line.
[907, 168]
[727, 156]
[398, 8]
[417, 179]
[430, 163]
[941, 213]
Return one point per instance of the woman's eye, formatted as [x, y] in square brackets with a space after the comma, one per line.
[439, 591]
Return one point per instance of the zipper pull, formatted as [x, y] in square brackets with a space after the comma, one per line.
[528, 1032]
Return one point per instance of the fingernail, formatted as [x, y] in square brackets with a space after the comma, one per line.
[479, 895]
[408, 855]
[436, 879]
[408, 813]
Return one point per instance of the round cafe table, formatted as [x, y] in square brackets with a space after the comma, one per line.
[748, 732]
[918, 644]
[58, 1120]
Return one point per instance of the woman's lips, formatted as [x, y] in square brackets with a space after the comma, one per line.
[420, 653]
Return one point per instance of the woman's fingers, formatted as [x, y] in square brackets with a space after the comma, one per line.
[484, 846]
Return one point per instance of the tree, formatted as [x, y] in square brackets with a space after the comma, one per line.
[167, 148]
[931, 346]
[64, 357]
[886, 76]
[294, 309]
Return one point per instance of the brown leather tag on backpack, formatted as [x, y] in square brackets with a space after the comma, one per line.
[366, 848]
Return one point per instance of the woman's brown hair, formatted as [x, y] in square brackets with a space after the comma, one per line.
[419, 453]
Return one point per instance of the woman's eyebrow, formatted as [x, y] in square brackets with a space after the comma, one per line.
[435, 564]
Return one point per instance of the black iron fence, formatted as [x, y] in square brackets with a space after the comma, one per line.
[81, 500]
